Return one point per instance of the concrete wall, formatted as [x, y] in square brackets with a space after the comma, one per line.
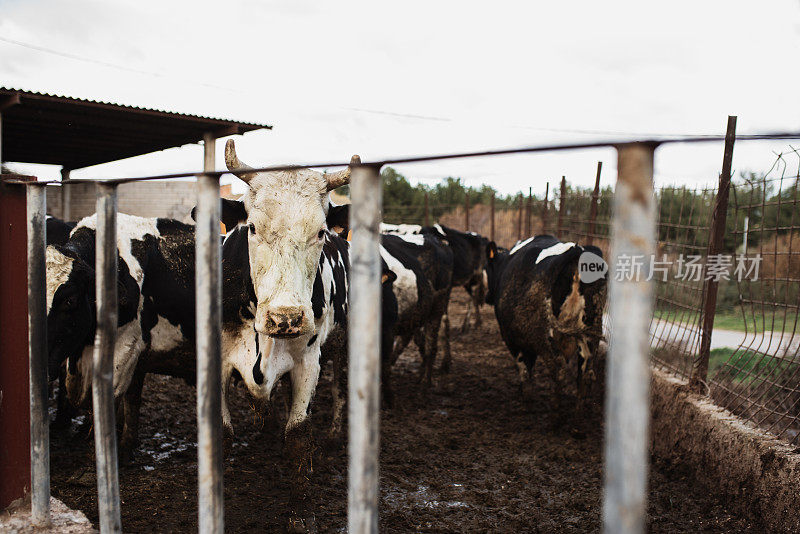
[757, 474]
[169, 199]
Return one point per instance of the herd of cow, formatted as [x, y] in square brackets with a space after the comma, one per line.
[285, 263]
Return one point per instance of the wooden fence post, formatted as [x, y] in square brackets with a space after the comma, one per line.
[427, 213]
[519, 217]
[491, 219]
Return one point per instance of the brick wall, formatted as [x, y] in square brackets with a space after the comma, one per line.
[173, 200]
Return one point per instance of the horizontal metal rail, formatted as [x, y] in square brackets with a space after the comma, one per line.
[439, 157]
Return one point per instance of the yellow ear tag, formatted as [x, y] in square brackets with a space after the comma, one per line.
[491, 254]
[349, 235]
[384, 278]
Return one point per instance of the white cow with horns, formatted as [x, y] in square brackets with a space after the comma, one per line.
[299, 277]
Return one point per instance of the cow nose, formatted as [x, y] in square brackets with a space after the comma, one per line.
[284, 322]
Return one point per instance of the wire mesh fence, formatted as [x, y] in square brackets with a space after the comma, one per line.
[753, 365]
[760, 380]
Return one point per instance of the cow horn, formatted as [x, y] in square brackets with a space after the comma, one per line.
[340, 178]
[234, 165]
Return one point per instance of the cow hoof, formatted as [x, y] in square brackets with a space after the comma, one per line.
[302, 525]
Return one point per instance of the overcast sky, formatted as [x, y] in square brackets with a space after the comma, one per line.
[383, 80]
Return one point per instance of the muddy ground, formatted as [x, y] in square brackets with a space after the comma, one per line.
[467, 456]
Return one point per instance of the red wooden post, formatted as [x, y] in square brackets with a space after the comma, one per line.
[15, 445]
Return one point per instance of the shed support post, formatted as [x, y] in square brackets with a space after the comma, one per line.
[628, 375]
[208, 310]
[105, 430]
[364, 347]
[37, 354]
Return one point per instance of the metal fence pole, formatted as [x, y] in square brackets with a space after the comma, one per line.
[561, 204]
[208, 310]
[37, 357]
[529, 213]
[105, 431]
[628, 375]
[545, 208]
[466, 210]
[491, 219]
[364, 336]
[719, 218]
[593, 208]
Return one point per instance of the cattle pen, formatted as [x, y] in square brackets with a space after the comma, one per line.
[632, 231]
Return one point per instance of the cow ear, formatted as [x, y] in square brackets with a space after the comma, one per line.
[388, 277]
[338, 219]
[491, 250]
[232, 213]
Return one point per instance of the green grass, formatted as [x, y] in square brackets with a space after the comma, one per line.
[733, 320]
[746, 362]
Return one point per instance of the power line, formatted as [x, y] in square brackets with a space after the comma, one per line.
[110, 65]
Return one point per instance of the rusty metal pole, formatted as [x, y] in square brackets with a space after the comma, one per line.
[105, 429]
[37, 357]
[595, 199]
[491, 219]
[628, 374]
[466, 210]
[427, 212]
[208, 310]
[561, 203]
[719, 218]
[519, 217]
[364, 348]
[545, 208]
[529, 214]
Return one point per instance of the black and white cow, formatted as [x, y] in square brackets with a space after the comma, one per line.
[469, 270]
[155, 309]
[545, 311]
[424, 269]
[57, 231]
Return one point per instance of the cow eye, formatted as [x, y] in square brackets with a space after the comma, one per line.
[321, 234]
[252, 228]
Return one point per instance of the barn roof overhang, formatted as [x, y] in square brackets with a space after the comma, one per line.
[77, 133]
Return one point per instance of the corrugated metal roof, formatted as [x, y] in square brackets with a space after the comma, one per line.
[76, 133]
